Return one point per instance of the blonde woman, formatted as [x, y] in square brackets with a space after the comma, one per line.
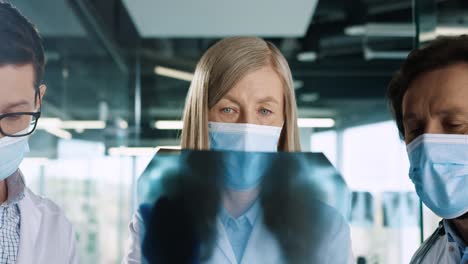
[242, 99]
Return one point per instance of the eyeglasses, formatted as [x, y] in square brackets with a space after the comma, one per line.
[18, 124]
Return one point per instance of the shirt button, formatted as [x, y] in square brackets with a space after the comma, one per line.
[451, 249]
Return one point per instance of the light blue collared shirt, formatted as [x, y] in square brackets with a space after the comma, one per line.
[238, 230]
[453, 237]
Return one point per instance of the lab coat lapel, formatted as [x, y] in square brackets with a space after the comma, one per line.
[224, 245]
[30, 223]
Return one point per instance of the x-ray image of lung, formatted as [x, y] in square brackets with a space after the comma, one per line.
[303, 200]
[400, 209]
[362, 209]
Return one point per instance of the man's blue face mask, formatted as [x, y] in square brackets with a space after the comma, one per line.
[243, 170]
[439, 171]
[12, 151]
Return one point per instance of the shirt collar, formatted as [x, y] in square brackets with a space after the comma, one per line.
[15, 186]
[452, 235]
[251, 214]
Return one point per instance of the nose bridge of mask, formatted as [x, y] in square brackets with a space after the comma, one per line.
[18, 144]
[439, 148]
[5, 141]
[261, 138]
[439, 138]
[244, 137]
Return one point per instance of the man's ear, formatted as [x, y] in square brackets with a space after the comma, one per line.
[40, 95]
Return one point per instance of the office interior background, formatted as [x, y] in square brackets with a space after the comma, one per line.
[118, 72]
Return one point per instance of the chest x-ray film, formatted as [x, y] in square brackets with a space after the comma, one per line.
[304, 203]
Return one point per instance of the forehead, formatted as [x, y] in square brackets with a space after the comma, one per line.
[16, 83]
[438, 90]
[16, 76]
[261, 82]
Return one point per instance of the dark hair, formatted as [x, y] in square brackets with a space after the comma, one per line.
[440, 53]
[20, 43]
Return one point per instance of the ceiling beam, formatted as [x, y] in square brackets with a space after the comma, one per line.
[90, 20]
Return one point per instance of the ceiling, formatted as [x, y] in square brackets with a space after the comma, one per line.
[220, 18]
[102, 55]
[53, 18]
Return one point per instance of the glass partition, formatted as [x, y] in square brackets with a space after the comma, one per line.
[384, 216]
[96, 197]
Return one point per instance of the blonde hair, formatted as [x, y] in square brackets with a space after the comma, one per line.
[219, 69]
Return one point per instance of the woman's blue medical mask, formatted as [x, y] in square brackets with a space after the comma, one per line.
[243, 137]
[243, 170]
[439, 171]
[12, 151]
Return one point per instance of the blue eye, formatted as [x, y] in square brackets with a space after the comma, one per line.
[265, 112]
[227, 110]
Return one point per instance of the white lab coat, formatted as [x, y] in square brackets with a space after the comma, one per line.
[46, 236]
[262, 247]
[440, 252]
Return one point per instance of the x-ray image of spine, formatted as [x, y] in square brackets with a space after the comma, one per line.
[362, 209]
[400, 209]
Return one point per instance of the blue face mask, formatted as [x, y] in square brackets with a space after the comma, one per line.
[243, 170]
[439, 171]
[12, 150]
[243, 137]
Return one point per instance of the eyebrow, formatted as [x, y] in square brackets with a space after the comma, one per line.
[451, 112]
[16, 104]
[268, 99]
[230, 98]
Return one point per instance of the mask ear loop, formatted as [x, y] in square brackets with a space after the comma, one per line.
[37, 98]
